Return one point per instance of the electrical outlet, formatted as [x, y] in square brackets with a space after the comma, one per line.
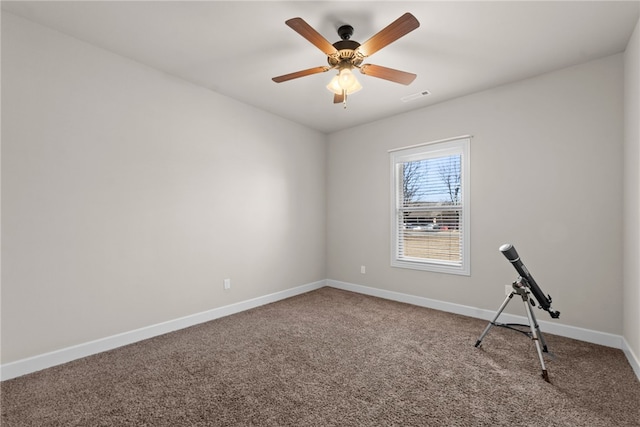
[227, 284]
[363, 269]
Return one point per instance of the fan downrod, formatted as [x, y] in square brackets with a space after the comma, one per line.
[345, 32]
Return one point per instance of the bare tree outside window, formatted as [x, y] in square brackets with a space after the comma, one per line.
[411, 181]
[450, 174]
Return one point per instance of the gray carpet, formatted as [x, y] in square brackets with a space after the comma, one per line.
[333, 358]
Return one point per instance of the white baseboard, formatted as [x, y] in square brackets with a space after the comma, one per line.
[602, 338]
[631, 357]
[58, 357]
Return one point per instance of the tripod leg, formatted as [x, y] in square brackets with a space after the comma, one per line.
[542, 341]
[544, 344]
[493, 322]
[534, 337]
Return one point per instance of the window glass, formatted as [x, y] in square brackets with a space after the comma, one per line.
[430, 207]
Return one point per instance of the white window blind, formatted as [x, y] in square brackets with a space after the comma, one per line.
[430, 207]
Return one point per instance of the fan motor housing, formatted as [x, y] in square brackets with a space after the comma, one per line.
[346, 53]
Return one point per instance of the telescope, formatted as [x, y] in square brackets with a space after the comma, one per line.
[524, 286]
[544, 302]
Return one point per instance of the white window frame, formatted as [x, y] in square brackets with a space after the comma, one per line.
[458, 145]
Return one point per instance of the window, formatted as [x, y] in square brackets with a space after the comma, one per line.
[430, 206]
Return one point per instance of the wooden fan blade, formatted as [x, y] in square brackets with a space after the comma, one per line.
[390, 74]
[337, 99]
[297, 74]
[305, 30]
[398, 28]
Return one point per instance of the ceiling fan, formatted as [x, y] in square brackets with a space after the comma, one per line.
[346, 54]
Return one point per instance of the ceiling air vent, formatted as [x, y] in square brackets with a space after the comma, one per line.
[415, 96]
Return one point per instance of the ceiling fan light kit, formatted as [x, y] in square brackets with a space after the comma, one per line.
[345, 81]
[346, 54]
[343, 84]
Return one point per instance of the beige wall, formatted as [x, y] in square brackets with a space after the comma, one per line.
[129, 195]
[546, 157]
[631, 329]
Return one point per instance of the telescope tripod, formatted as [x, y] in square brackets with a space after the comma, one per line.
[520, 288]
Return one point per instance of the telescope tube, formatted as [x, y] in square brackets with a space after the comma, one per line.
[545, 301]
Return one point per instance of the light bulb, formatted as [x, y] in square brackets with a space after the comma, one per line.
[334, 86]
[355, 86]
[346, 79]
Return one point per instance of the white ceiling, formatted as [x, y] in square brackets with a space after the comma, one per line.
[234, 48]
